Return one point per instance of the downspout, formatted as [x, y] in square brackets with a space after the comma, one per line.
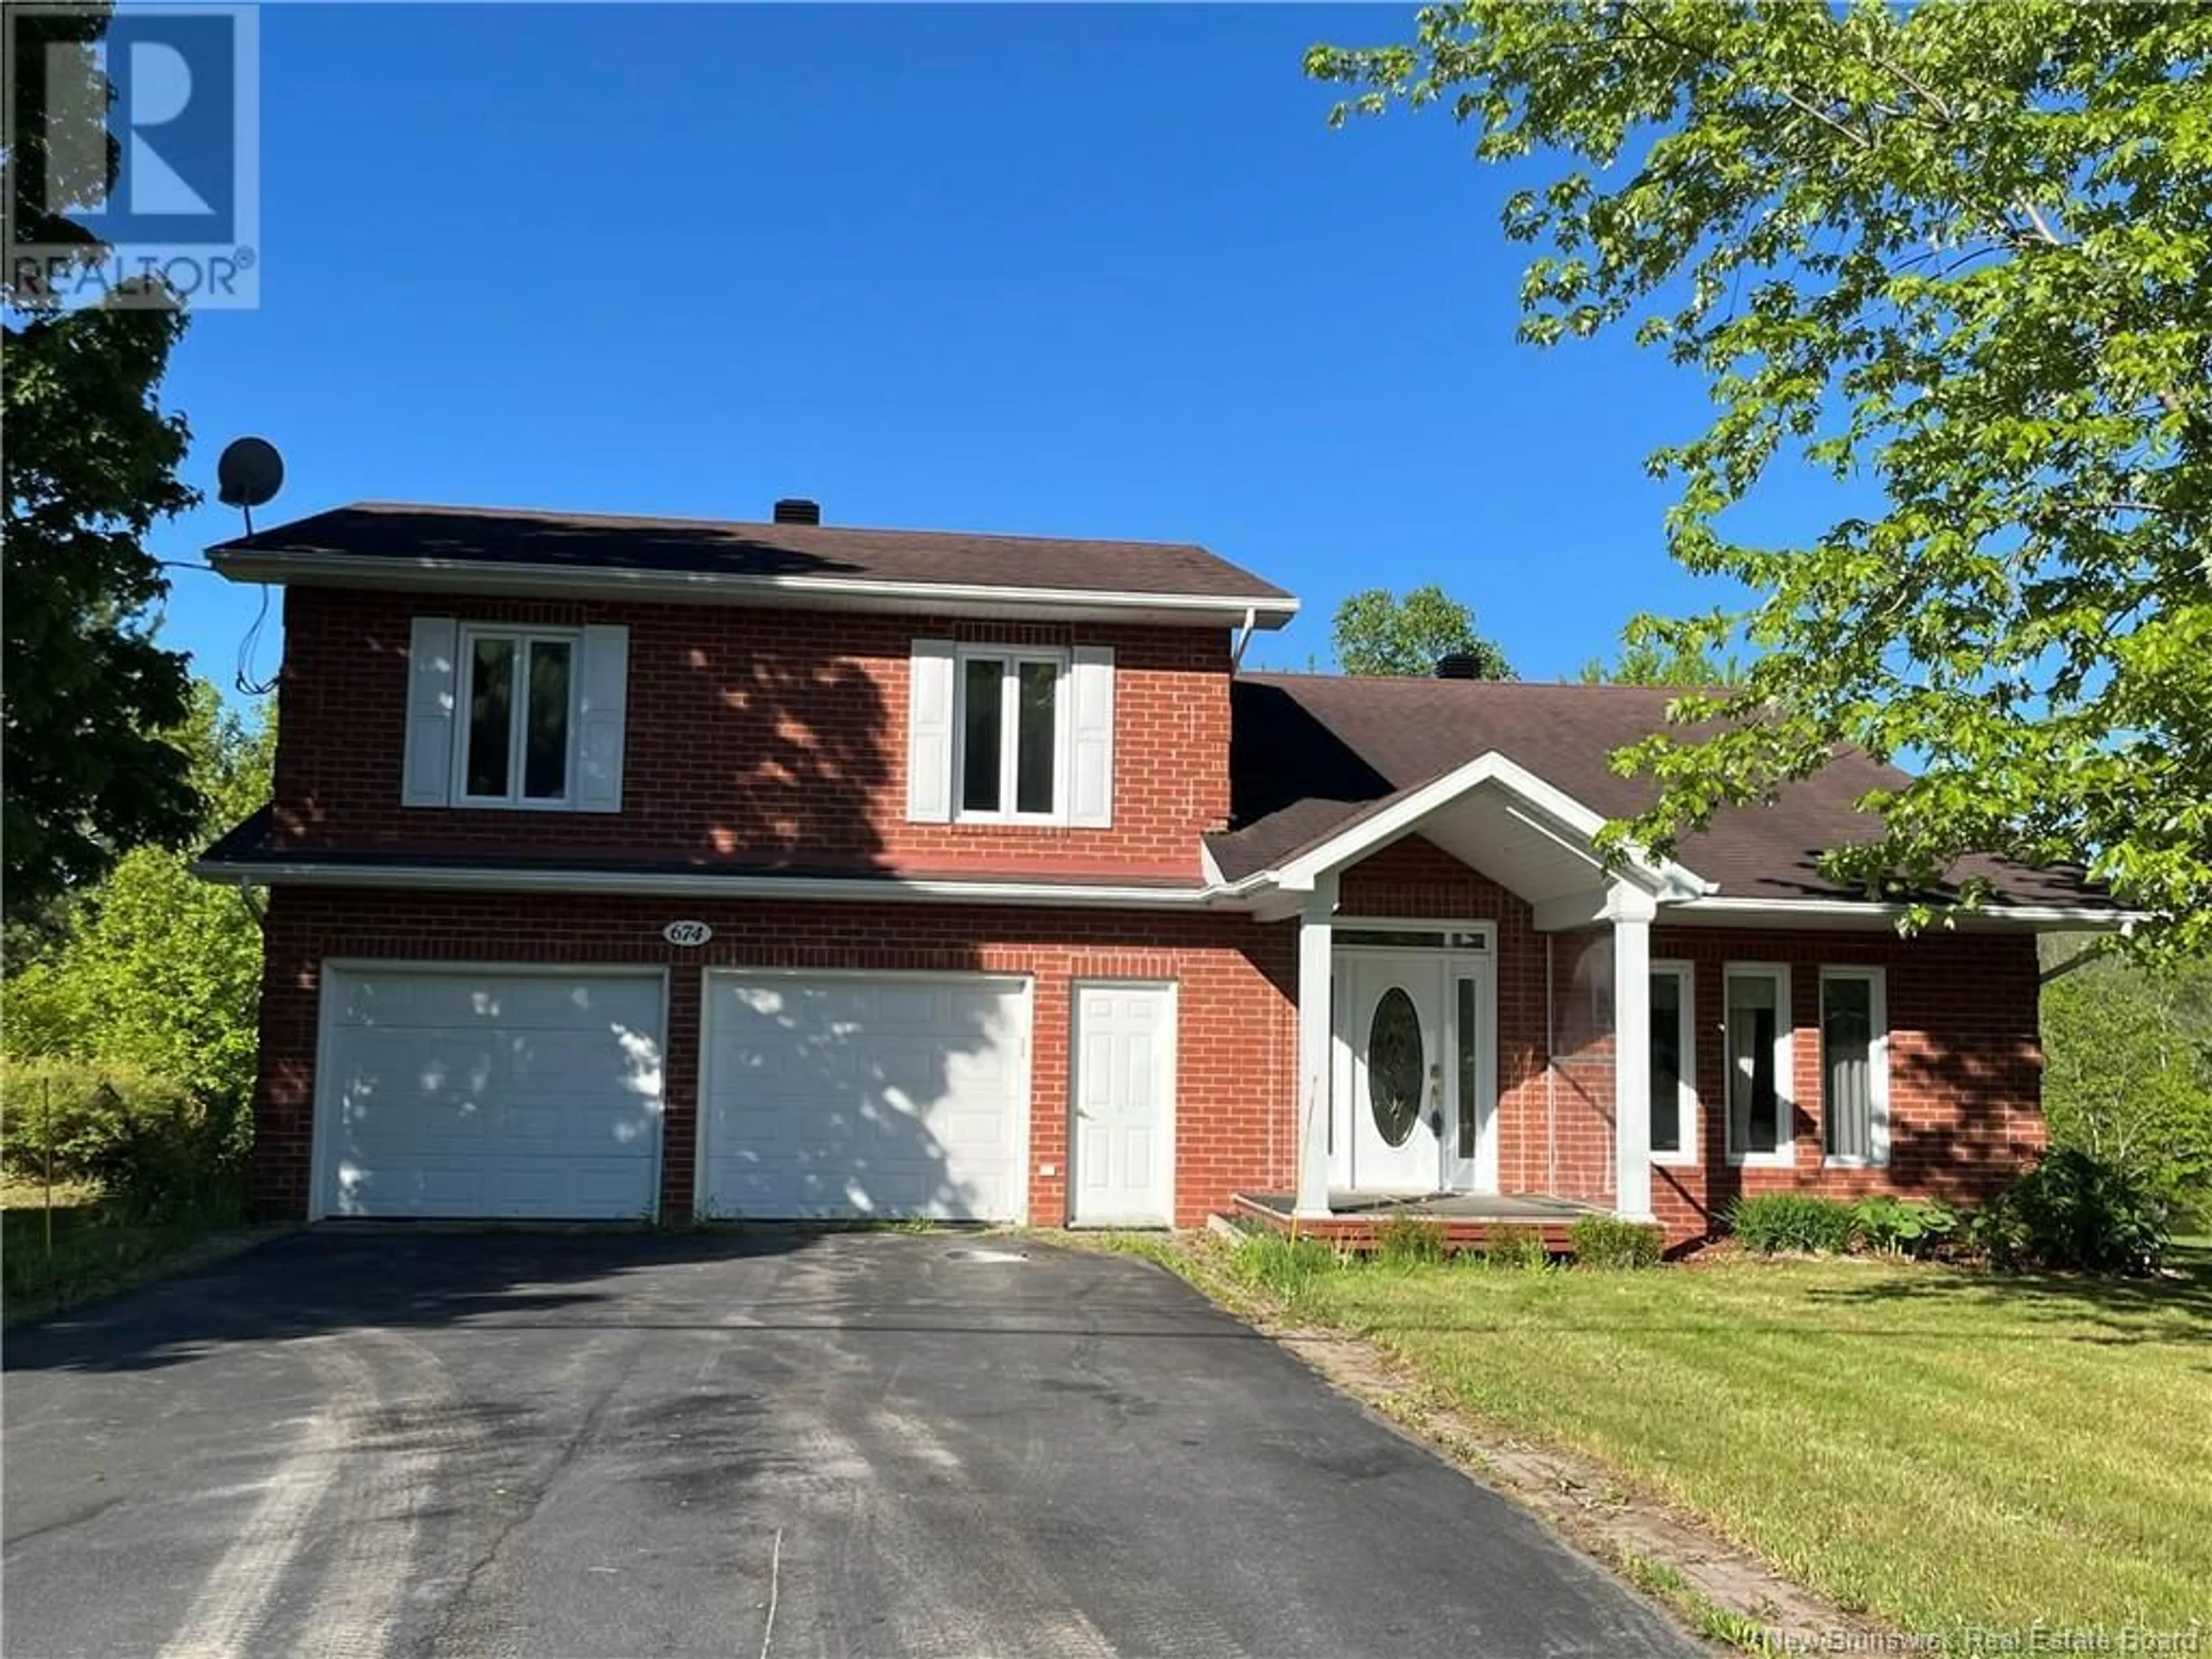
[1244, 637]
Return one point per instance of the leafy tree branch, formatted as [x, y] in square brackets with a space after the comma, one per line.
[1958, 255]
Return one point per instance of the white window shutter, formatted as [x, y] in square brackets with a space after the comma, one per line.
[426, 776]
[1090, 737]
[602, 711]
[929, 732]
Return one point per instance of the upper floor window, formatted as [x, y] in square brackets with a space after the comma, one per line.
[1010, 734]
[519, 691]
[1013, 735]
[501, 715]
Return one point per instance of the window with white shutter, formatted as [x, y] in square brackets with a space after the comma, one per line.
[501, 715]
[426, 771]
[1010, 734]
[1090, 737]
[929, 731]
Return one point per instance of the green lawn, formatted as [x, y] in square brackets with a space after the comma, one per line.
[96, 1249]
[1935, 1448]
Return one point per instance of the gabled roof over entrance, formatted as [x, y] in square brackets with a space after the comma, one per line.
[1496, 816]
[1316, 762]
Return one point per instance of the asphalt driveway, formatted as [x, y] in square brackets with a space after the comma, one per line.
[785, 1444]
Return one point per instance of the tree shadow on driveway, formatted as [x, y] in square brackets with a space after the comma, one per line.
[332, 1279]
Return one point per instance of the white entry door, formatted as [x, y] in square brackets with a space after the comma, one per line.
[1124, 1138]
[1393, 1036]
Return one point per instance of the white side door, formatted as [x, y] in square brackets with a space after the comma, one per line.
[1123, 1140]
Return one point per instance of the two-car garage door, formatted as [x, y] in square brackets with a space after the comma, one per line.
[506, 1092]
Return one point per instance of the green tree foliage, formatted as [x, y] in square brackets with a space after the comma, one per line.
[2127, 1071]
[1378, 633]
[155, 968]
[88, 467]
[42, 178]
[1958, 255]
[1645, 661]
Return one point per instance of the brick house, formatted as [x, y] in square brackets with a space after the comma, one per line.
[622, 866]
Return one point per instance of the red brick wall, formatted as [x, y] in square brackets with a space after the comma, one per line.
[1966, 1066]
[754, 735]
[1234, 1070]
[1578, 1149]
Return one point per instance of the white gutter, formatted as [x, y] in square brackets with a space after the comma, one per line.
[2055, 917]
[251, 564]
[1248, 893]
[1216, 894]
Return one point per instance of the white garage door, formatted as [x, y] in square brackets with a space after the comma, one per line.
[853, 1097]
[489, 1093]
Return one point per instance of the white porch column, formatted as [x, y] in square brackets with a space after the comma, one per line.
[1631, 911]
[1316, 962]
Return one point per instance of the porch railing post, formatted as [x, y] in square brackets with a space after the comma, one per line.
[1316, 932]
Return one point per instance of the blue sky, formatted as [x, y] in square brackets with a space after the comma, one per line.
[1075, 271]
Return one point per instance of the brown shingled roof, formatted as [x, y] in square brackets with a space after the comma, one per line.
[372, 530]
[1310, 755]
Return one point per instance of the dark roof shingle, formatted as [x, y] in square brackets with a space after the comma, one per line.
[374, 530]
[1310, 755]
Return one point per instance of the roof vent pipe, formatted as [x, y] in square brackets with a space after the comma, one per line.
[1458, 666]
[796, 509]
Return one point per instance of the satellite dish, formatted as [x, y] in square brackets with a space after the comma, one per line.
[249, 474]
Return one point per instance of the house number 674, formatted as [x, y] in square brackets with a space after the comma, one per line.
[687, 932]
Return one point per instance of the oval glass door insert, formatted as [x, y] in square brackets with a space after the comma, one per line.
[1395, 1065]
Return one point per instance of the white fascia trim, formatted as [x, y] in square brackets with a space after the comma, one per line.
[2066, 918]
[701, 587]
[447, 878]
[1664, 878]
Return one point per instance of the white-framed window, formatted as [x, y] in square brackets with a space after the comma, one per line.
[1673, 1064]
[1010, 734]
[504, 715]
[1760, 1112]
[516, 741]
[1855, 1066]
[1010, 725]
